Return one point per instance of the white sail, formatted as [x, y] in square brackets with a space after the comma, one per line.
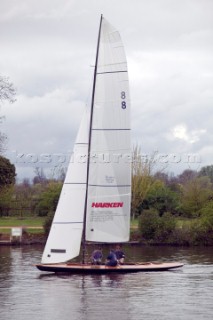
[66, 231]
[109, 185]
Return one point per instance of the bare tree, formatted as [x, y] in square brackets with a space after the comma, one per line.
[3, 140]
[57, 173]
[40, 176]
[7, 93]
[7, 90]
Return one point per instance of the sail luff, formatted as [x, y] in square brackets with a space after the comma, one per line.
[89, 144]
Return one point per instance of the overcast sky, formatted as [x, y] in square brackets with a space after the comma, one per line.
[48, 50]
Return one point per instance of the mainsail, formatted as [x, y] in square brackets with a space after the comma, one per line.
[109, 183]
[96, 194]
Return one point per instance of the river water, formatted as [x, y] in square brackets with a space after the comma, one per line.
[186, 293]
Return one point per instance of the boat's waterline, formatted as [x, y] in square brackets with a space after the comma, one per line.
[102, 269]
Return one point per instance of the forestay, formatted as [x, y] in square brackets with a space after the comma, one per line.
[109, 186]
[66, 231]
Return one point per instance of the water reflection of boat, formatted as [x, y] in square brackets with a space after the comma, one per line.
[95, 200]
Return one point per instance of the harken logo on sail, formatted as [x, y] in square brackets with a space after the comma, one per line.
[107, 204]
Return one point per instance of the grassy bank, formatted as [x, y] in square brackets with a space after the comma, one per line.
[152, 230]
[31, 224]
[34, 223]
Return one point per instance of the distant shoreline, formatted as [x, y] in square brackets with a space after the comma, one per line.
[35, 235]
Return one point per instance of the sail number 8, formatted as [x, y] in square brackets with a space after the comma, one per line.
[123, 102]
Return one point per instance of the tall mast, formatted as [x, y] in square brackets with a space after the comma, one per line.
[89, 143]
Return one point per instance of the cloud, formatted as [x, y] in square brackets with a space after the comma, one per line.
[48, 51]
[42, 121]
[181, 132]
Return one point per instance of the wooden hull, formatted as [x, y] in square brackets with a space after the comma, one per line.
[102, 269]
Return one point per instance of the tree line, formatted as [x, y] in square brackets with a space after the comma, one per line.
[170, 209]
[184, 195]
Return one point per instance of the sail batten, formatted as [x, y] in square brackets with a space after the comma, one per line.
[75, 183]
[111, 129]
[68, 222]
[108, 186]
[106, 72]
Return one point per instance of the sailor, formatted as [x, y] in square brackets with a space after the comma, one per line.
[97, 256]
[111, 259]
[119, 255]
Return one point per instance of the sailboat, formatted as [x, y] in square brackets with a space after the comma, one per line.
[94, 205]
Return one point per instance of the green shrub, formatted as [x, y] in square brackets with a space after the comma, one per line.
[206, 214]
[201, 233]
[148, 223]
[166, 226]
[198, 232]
[48, 222]
[48, 199]
[180, 236]
[156, 228]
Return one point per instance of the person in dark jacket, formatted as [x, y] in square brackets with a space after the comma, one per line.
[119, 255]
[97, 256]
[111, 259]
